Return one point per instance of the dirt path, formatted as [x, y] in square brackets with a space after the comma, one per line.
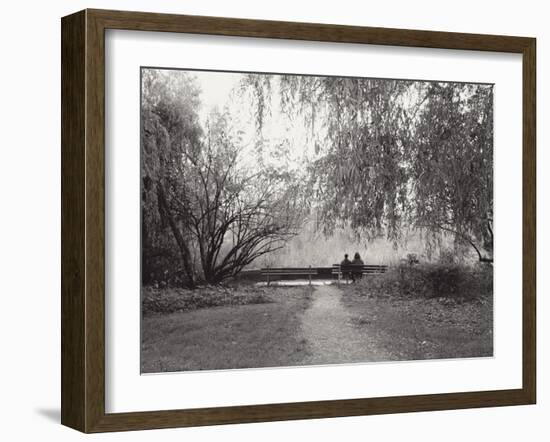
[327, 326]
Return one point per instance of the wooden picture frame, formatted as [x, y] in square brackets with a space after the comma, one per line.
[83, 220]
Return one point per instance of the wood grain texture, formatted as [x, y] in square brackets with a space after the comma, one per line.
[95, 222]
[529, 220]
[73, 129]
[144, 21]
[83, 220]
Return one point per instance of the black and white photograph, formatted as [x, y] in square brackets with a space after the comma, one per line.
[303, 220]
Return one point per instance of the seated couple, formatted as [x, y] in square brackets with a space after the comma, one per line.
[357, 261]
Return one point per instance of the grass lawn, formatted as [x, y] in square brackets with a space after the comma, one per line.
[419, 328]
[227, 336]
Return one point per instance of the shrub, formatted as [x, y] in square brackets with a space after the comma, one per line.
[458, 282]
[170, 300]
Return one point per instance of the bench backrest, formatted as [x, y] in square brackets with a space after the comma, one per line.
[354, 268]
[289, 271]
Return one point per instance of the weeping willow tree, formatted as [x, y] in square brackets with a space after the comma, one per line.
[393, 154]
[452, 166]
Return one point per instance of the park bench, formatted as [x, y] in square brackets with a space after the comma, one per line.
[365, 269]
[289, 271]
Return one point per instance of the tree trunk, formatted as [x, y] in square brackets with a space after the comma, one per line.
[184, 250]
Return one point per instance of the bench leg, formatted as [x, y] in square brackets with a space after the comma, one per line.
[267, 279]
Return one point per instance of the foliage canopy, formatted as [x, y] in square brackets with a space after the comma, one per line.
[394, 155]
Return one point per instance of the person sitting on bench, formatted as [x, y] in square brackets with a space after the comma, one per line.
[357, 261]
[346, 262]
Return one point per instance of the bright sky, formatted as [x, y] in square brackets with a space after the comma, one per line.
[218, 90]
